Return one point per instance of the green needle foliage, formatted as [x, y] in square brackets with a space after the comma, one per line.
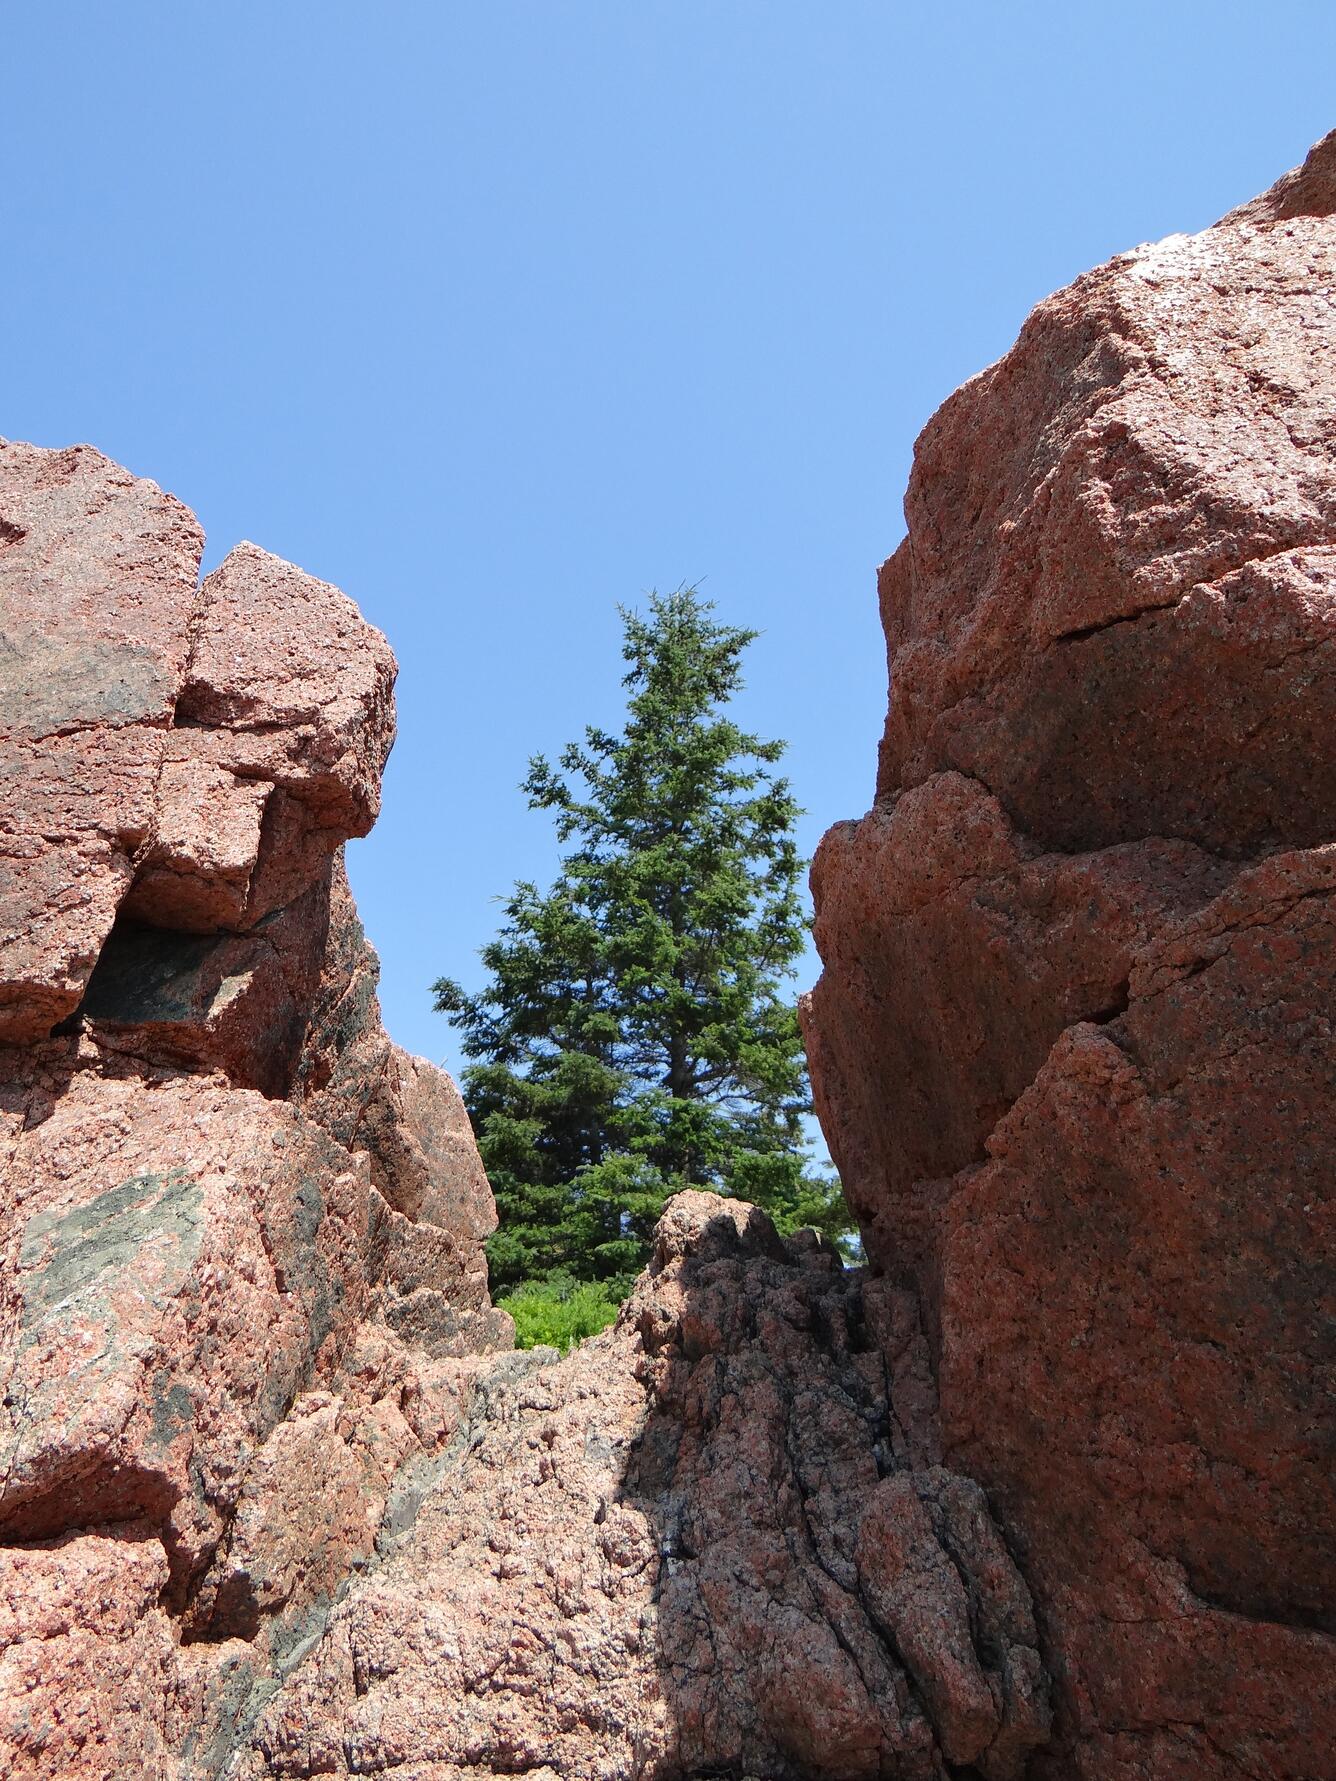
[559, 1311]
[638, 1034]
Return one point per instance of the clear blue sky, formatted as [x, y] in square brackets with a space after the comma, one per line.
[498, 314]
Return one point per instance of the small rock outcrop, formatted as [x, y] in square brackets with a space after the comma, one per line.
[1072, 1047]
[241, 1273]
[715, 1540]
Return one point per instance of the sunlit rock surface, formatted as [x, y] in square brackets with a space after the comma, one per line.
[241, 1268]
[1044, 1491]
[1072, 1046]
[715, 1540]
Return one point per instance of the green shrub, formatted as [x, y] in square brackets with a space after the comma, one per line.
[561, 1311]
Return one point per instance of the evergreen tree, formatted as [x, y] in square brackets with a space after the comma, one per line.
[636, 1036]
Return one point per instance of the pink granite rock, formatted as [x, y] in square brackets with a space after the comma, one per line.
[282, 728]
[152, 1229]
[241, 1283]
[97, 599]
[432, 1206]
[235, 1003]
[1127, 524]
[1072, 1043]
[87, 1659]
[290, 1545]
[189, 755]
[646, 1558]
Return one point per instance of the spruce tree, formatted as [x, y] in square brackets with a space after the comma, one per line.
[638, 1035]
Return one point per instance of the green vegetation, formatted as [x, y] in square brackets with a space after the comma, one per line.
[638, 1034]
[560, 1311]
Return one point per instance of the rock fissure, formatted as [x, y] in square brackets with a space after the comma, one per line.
[1084, 632]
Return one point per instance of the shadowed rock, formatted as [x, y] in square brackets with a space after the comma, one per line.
[98, 599]
[673, 1552]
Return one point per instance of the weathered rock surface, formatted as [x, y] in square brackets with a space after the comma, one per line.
[87, 1657]
[184, 755]
[715, 1540]
[1072, 1047]
[432, 1206]
[97, 604]
[1047, 1491]
[242, 1286]
[281, 730]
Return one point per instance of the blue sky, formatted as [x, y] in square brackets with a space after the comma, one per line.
[499, 314]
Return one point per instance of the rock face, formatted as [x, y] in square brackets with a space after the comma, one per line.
[715, 1540]
[1045, 1491]
[275, 1499]
[184, 755]
[242, 1288]
[1072, 1047]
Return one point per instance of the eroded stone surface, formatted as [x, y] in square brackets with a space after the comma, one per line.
[187, 755]
[236, 1003]
[1123, 525]
[282, 728]
[155, 1228]
[87, 1659]
[1072, 1044]
[97, 601]
[671, 1554]
[227, 1364]
[432, 1206]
